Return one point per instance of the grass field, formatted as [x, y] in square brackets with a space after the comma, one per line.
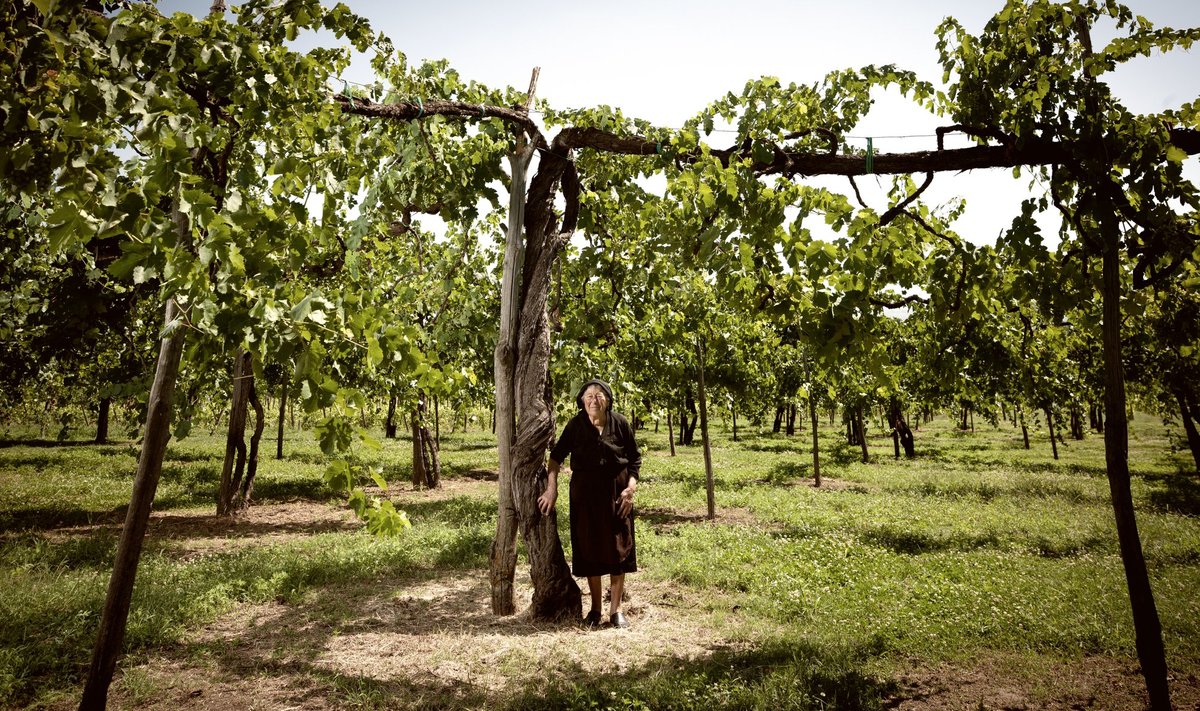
[979, 574]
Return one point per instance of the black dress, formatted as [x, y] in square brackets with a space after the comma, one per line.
[601, 465]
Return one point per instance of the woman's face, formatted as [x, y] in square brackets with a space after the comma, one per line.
[595, 401]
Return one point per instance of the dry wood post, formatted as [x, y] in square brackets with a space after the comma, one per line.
[708, 469]
[816, 448]
[111, 635]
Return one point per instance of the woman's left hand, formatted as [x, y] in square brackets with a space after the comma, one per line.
[625, 502]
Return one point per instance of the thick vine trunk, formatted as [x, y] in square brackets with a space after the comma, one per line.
[901, 433]
[1050, 426]
[246, 489]
[427, 462]
[113, 618]
[389, 425]
[1189, 416]
[862, 434]
[283, 392]
[791, 420]
[1076, 423]
[670, 432]
[778, 426]
[235, 436]
[708, 469]
[1147, 629]
[812, 409]
[102, 420]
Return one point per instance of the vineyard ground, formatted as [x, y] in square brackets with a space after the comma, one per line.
[979, 575]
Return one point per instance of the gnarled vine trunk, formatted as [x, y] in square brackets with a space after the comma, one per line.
[240, 462]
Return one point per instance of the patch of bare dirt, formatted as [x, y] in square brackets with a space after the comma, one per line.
[1010, 683]
[406, 643]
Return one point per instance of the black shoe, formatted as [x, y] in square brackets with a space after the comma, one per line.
[592, 619]
[618, 620]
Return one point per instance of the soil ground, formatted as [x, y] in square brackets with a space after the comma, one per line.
[429, 640]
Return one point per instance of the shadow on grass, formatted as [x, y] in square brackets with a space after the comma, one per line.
[469, 472]
[50, 443]
[778, 675]
[904, 541]
[96, 550]
[1179, 494]
[907, 542]
[37, 519]
[457, 511]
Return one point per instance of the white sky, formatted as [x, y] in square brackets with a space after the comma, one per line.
[664, 60]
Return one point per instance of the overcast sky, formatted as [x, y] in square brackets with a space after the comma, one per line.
[665, 60]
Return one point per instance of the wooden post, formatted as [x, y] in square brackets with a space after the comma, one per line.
[113, 618]
[503, 554]
[708, 469]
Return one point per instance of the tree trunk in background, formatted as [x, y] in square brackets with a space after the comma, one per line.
[1147, 628]
[235, 436]
[902, 435]
[1076, 423]
[1024, 430]
[1189, 415]
[260, 422]
[708, 470]
[687, 429]
[111, 635]
[733, 416]
[862, 434]
[427, 463]
[778, 426]
[670, 432]
[389, 425]
[1050, 426]
[962, 424]
[791, 420]
[102, 420]
[812, 409]
[283, 393]
[437, 425]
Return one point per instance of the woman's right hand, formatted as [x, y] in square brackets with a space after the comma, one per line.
[546, 501]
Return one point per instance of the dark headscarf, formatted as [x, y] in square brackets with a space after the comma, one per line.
[603, 386]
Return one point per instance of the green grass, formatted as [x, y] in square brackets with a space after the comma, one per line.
[977, 546]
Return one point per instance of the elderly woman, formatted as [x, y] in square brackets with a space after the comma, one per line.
[604, 469]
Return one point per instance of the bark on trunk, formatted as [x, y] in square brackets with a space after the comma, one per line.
[791, 420]
[670, 432]
[427, 462]
[1147, 629]
[862, 434]
[708, 470]
[812, 408]
[389, 425]
[778, 426]
[1189, 416]
[901, 433]
[503, 556]
[260, 421]
[102, 420]
[113, 618]
[235, 437]
[283, 392]
[1050, 426]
